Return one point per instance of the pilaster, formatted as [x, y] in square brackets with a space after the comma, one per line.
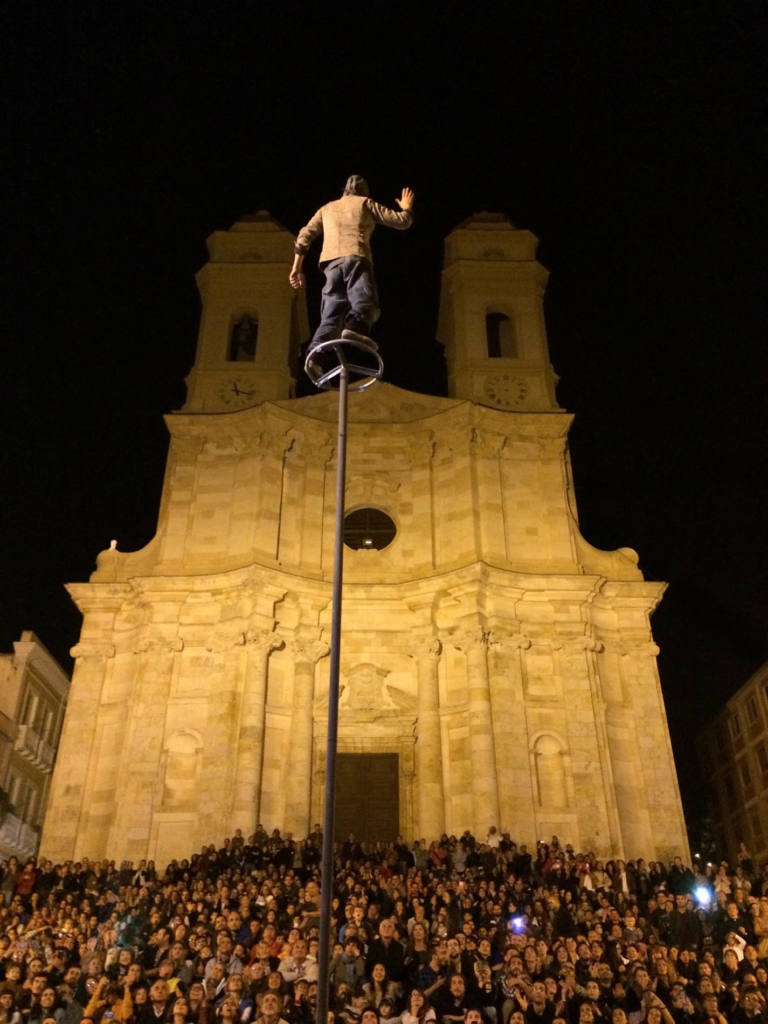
[430, 799]
[62, 837]
[485, 795]
[250, 735]
[299, 769]
[156, 655]
[510, 731]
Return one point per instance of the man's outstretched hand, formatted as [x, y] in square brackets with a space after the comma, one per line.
[405, 202]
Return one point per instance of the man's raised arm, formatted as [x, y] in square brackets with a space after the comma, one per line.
[393, 218]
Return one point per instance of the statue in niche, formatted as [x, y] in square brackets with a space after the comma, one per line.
[243, 339]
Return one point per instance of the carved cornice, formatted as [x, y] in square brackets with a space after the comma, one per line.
[642, 648]
[628, 646]
[273, 444]
[264, 640]
[485, 444]
[470, 639]
[85, 651]
[577, 644]
[300, 449]
[372, 486]
[237, 440]
[448, 443]
[231, 444]
[309, 651]
[421, 448]
[426, 648]
[159, 644]
[500, 639]
[224, 637]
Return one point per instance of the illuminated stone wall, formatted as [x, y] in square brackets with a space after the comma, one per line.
[507, 662]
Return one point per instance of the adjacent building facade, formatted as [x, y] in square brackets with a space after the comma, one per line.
[33, 696]
[496, 668]
[733, 753]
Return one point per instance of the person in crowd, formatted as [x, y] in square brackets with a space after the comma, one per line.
[387, 951]
[380, 987]
[452, 1003]
[418, 1010]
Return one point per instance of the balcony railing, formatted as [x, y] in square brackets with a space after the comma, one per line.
[35, 749]
[17, 838]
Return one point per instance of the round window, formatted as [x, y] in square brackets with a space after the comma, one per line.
[368, 528]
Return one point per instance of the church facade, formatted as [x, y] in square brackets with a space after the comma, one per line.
[496, 669]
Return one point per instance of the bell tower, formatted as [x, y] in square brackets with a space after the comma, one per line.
[491, 319]
[252, 322]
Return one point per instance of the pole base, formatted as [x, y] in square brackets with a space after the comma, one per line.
[361, 359]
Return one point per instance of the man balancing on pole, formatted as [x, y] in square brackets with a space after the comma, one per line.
[350, 304]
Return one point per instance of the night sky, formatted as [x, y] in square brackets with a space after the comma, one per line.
[630, 139]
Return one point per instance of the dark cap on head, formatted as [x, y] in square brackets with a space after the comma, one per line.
[356, 186]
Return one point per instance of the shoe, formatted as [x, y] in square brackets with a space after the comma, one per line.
[349, 335]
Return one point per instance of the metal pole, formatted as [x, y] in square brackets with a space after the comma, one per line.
[326, 891]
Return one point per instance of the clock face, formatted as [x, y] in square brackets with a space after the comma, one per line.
[506, 391]
[236, 393]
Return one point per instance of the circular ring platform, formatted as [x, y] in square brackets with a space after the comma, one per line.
[326, 359]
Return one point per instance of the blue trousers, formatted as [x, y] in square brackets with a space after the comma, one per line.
[349, 298]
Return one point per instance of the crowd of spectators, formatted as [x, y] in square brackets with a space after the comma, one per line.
[459, 931]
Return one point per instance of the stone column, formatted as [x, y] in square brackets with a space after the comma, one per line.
[612, 842]
[663, 821]
[250, 737]
[299, 798]
[61, 838]
[510, 732]
[430, 801]
[155, 653]
[485, 794]
[226, 645]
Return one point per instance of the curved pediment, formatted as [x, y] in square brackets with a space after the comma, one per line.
[384, 403]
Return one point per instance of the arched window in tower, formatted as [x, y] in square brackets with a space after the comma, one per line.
[243, 338]
[550, 772]
[500, 336]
